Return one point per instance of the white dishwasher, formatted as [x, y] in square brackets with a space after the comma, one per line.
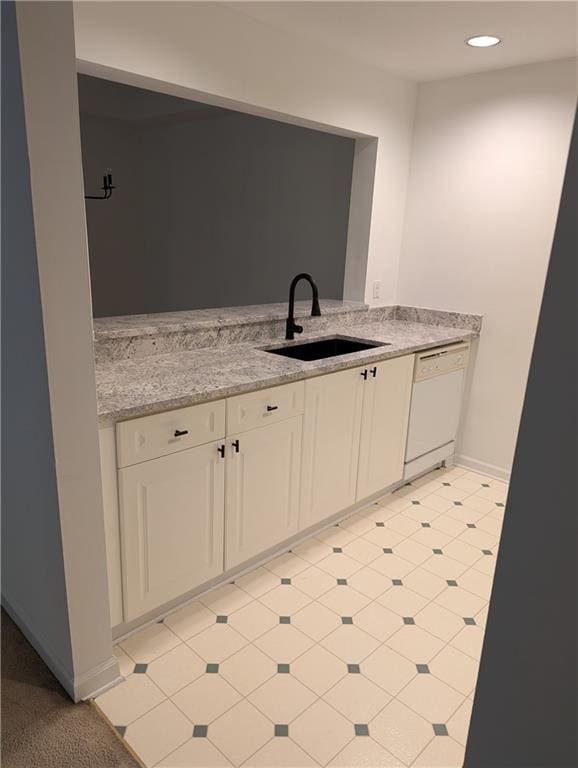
[436, 401]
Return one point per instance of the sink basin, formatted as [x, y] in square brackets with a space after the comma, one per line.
[330, 347]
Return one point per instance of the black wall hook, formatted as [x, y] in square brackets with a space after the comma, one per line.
[107, 187]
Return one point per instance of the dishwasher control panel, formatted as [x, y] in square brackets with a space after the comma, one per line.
[440, 360]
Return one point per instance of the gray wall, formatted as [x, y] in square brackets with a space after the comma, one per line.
[525, 708]
[213, 207]
[33, 585]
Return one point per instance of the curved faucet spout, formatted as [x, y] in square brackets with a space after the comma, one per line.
[292, 326]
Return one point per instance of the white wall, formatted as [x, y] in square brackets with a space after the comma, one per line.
[487, 164]
[54, 167]
[218, 55]
[486, 175]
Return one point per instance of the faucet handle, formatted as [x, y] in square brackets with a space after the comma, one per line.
[298, 328]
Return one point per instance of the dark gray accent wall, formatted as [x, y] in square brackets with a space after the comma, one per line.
[525, 711]
[213, 207]
[33, 585]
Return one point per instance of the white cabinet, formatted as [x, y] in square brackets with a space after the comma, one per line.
[331, 429]
[109, 477]
[264, 407]
[386, 400]
[164, 433]
[355, 428]
[298, 455]
[171, 519]
[262, 489]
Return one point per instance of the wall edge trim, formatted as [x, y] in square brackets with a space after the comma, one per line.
[85, 686]
[97, 680]
[25, 625]
[500, 473]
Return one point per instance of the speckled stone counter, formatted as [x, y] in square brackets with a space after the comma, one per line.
[139, 385]
[137, 336]
[125, 326]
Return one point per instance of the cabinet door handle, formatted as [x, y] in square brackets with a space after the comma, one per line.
[364, 374]
[221, 451]
[181, 432]
[235, 445]
[272, 407]
[374, 372]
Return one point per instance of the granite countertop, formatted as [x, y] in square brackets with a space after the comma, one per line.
[135, 387]
[124, 326]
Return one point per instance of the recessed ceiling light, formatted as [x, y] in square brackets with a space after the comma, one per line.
[483, 41]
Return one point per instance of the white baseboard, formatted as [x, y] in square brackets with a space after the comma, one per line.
[483, 467]
[97, 680]
[78, 687]
[24, 624]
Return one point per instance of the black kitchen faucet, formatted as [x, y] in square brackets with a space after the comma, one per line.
[292, 327]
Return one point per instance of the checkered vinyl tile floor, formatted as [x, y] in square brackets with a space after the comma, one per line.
[359, 647]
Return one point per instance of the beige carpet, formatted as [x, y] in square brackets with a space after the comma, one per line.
[41, 727]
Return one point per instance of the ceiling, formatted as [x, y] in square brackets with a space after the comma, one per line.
[425, 40]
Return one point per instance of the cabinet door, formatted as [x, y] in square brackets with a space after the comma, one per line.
[332, 424]
[384, 423]
[172, 514]
[262, 489]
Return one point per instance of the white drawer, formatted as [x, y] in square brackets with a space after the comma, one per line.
[152, 436]
[257, 409]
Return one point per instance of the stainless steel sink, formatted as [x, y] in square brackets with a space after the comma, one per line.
[323, 348]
